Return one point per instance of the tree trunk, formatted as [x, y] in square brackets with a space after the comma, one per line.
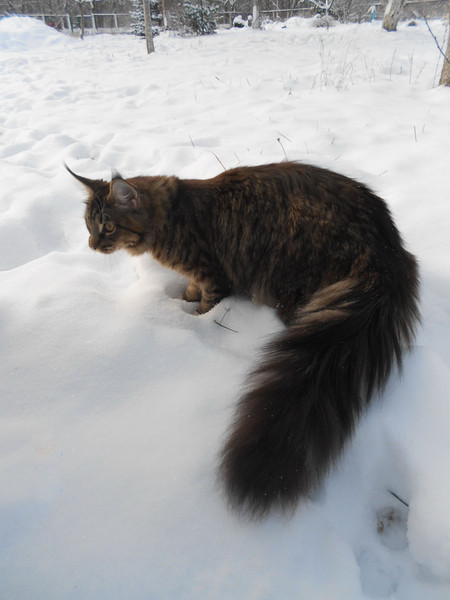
[256, 21]
[82, 19]
[392, 14]
[148, 27]
[166, 14]
[445, 75]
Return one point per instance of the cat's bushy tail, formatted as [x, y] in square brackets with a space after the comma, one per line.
[305, 398]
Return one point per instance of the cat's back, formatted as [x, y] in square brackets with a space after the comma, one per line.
[285, 200]
[296, 182]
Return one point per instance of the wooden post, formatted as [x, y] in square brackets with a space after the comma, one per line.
[148, 27]
[256, 22]
[82, 19]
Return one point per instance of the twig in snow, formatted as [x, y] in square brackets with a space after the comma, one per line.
[398, 498]
[285, 136]
[284, 151]
[392, 64]
[222, 81]
[219, 323]
[224, 167]
[411, 60]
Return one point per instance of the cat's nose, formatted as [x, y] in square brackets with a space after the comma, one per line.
[93, 243]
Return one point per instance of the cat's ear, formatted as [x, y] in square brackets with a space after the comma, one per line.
[91, 184]
[124, 194]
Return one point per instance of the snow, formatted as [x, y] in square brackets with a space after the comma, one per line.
[115, 399]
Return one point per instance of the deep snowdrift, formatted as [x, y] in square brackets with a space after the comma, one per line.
[115, 399]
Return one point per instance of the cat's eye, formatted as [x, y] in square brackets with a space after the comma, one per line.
[109, 227]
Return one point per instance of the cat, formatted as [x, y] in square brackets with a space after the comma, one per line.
[324, 252]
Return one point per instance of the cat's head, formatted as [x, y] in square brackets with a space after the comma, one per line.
[113, 216]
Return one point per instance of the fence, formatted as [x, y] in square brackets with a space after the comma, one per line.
[121, 22]
[93, 23]
[411, 9]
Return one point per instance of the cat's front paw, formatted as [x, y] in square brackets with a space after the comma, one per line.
[192, 293]
[203, 308]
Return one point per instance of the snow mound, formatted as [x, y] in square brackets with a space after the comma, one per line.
[115, 399]
[25, 33]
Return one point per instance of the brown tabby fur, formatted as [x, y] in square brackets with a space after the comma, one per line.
[322, 250]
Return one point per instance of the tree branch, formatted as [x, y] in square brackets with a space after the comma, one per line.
[434, 37]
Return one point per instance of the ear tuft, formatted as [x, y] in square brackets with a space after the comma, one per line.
[115, 175]
[123, 194]
[92, 184]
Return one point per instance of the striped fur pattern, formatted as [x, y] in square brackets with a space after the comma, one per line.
[320, 248]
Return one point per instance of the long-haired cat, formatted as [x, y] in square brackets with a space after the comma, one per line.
[322, 250]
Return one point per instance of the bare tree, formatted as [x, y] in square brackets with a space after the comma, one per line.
[256, 17]
[166, 14]
[445, 75]
[81, 7]
[392, 14]
[148, 27]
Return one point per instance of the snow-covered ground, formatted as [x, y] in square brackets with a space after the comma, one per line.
[115, 399]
